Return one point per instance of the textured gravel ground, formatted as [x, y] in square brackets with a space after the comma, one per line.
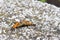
[45, 16]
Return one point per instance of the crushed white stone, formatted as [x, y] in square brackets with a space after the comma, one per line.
[44, 15]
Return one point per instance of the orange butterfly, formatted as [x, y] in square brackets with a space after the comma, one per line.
[22, 24]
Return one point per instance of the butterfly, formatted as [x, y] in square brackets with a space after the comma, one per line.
[23, 23]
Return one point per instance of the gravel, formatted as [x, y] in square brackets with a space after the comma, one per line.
[44, 15]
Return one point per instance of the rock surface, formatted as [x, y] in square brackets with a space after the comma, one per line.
[45, 16]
